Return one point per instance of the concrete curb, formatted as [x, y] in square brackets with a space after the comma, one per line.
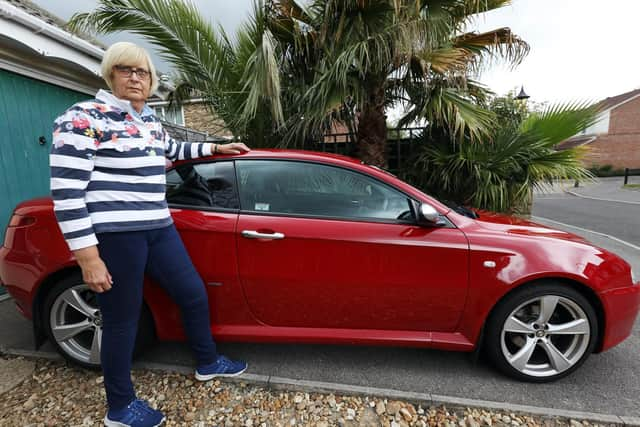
[47, 355]
[424, 399]
[601, 199]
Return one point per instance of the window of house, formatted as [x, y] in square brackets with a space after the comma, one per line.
[173, 114]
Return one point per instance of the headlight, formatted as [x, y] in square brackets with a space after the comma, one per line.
[634, 277]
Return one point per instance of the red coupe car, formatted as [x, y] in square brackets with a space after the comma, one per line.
[315, 248]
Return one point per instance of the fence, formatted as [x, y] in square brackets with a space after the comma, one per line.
[401, 146]
[628, 172]
[401, 143]
[182, 133]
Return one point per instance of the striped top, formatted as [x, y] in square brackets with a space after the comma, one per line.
[108, 169]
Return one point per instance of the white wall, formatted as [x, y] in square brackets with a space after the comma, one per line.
[599, 127]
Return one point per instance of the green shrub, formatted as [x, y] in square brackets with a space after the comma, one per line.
[499, 174]
[605, 170]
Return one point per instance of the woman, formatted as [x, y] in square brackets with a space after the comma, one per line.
[108, 186]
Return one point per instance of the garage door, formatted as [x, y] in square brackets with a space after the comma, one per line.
[27, 110]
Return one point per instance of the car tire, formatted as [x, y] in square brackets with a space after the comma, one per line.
[540, 347]
[72, 322]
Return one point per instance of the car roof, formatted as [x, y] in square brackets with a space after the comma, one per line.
[288, 154]
[295, 154]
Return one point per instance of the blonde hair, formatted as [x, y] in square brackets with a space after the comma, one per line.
[125, 53]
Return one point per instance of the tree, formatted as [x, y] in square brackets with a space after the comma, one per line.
[509, 111]
[518, 156]
[292, 68]
[358, 58]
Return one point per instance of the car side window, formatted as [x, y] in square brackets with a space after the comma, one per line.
[311, 189]
[210, 185]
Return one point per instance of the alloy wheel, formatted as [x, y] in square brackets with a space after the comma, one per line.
[76, 324]
[545, 336]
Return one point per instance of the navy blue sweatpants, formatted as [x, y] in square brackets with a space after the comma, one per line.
[162, 255]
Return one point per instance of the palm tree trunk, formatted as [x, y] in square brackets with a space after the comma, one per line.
[372, 128]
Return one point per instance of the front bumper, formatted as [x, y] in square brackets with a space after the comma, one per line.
[621, 308]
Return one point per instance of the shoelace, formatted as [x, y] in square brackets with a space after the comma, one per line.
[136, 411]
[140, 408]
[226, 363]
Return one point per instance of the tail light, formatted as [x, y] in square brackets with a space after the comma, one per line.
[21, 220]
[15, 222]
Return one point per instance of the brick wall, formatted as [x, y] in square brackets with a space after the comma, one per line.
[619, 151]
[626, 118]
[197, 116]
[621, 147]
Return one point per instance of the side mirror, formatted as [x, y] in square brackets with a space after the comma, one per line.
[429, 213]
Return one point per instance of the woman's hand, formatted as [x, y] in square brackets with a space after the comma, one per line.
[231, 148]
[94, 271]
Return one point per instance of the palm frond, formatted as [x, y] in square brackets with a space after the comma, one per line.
[561, 121]
[500, 173]
[205, 57]
[261, 74]
[174, 27]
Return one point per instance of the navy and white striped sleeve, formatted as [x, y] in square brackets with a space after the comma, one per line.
[179, 150]
[72, 161]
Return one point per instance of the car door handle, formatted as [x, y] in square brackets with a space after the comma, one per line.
[250, 234]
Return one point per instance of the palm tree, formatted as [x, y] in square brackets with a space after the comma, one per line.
[292, 68]
[501, 173]
[357, 58]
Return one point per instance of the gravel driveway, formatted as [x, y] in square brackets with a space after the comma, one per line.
[56, 394]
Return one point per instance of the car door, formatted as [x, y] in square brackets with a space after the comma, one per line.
[204, 205]
[322, 246]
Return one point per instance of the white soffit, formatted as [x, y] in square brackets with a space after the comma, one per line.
[48, 40]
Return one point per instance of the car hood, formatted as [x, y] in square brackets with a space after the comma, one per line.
[507, 224]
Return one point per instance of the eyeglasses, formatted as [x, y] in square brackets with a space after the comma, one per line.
[126, 71]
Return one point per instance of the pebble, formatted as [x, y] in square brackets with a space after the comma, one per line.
[406, 414]
[351, 413]
[393, 407]
[62, 395]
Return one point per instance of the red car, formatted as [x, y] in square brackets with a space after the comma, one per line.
[315, 248]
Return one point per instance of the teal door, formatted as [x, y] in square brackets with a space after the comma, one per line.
[27, 110]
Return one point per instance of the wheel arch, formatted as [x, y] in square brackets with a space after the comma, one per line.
[583, 289]
[40, 335]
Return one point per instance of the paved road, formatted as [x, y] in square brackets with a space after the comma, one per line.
[607, 383]
[618, 219]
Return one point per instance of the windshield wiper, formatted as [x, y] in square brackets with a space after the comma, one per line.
[461, 209]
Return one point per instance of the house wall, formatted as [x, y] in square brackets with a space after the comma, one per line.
[626, 118]
[600, 126]
[197, 116]
[620, 151]
[621, 146]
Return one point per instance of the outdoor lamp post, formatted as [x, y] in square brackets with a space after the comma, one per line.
[522, 95]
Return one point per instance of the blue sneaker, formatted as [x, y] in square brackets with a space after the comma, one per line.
[223, 367]
[137, 414]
